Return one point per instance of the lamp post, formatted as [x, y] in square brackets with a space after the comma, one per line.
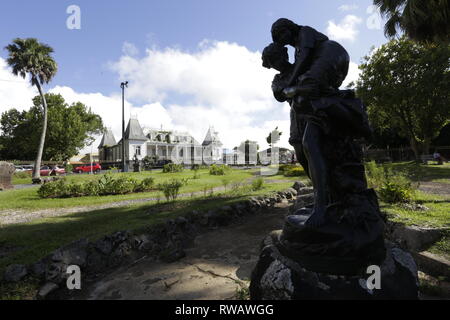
[123, 85]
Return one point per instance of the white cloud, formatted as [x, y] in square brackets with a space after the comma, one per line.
[353, 74]
[130, 49]
[346, 29]
[223, 84]
[348, 7]
[15, 92]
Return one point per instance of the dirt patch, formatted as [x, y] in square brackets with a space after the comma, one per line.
[217, 266]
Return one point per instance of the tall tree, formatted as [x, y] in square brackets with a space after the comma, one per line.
[274, 137]
[30, 57]
[422, 20]
[406, 87]
[70, 128]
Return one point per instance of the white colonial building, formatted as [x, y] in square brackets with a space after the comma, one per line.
[167, 145]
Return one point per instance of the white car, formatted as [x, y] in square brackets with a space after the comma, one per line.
[27, 167]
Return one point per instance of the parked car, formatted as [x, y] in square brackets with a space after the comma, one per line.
[52, 170]
[59, 169]
[88, 168]
[27, 167]
[20, 168]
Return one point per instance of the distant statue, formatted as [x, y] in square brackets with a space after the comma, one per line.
[326, 125]
[136, 164]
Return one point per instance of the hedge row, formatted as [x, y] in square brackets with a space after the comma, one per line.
[106, 185]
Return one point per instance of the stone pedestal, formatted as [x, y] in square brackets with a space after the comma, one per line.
[6, 173]
[279, 277]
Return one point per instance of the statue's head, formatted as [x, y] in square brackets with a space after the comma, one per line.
[276, 56]
[284, 31]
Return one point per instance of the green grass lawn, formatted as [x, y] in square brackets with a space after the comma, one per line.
[439, 205]
[32, 241]
[28, 199]
[37, 238]
[438, 214]
[426, 173]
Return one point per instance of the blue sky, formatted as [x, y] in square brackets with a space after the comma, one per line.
[111, 31]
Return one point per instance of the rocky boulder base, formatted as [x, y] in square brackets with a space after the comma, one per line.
[277, 277]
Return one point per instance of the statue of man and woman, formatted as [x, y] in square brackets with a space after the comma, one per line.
[325, 121]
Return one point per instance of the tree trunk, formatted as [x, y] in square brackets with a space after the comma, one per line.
[415, 148]
[37, 163]
[426, 146]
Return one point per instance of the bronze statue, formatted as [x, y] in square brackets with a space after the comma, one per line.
[326, 126]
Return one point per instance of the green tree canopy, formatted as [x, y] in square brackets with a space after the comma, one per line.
[422, 20]
[406, 87]
[70, 128]
[273, 137]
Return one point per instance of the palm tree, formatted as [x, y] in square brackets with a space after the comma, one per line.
[421, 20]
[29, 56]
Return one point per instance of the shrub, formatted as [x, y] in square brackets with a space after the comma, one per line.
[391, 187]
[285, 167]
[68, 167]
[236, 188]
[375, 175]
[293, 172]
[197, 166]
[124, 185]
[106, 185]
[92, 188]
[149, 162]
[218, 170]
[53, 189]
[73, 190]
[171, 188]
[146, 185]
[257, 184]
[173, 167]
[225, 183]
[397, 190]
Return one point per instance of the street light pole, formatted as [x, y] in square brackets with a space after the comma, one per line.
[123, 85]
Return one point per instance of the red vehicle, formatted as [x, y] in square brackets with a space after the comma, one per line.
[52, 170]
[88, 168]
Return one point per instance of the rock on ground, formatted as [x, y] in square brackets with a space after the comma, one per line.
[15, 273]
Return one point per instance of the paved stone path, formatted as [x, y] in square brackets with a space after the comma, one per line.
[439, 188]
[217, 266]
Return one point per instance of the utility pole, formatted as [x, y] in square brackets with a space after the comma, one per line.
[123, 85]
